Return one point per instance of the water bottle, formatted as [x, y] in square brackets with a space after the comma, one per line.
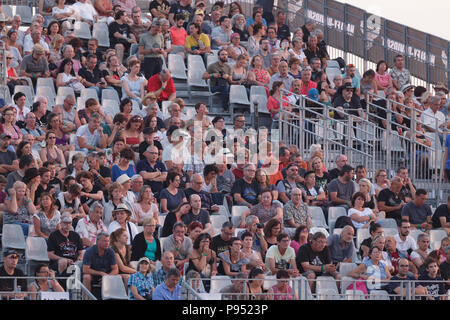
[168, 43]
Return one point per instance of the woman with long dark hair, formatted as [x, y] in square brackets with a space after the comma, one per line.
[171, 197]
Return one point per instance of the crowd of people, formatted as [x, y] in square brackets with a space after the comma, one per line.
[104, 189]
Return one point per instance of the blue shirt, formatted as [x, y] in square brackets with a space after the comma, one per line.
[162, 293]
[447, 145]
[95, 262]
[355, 81]
[144, 284]
[116, 172]
[144, 165]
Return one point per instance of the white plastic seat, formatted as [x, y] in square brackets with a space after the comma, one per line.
[195, 59]
[218, 221]
[236, 214]
[25, 13]
[333, 64]
[258, 90]
[361, 235]
[165, 109]
[437, 235]
[28, 91]
[47, 93]
[110, 107]
[326, 283]
[388, 223]
[161, 242]
[65, 91]
[379, 295]
[390, 231]
[7, 10]
[219, 282]
[59, 100]
[328, 294]
[337, 231]
[13, 237]
[346, 267]
[82, 30]
[210, 59]
[101, 33]
[196, 70]
[313, 230]
[269, 281]
[261, 100]
[415, 234]
[6, 95]
[336, 212]
[301, 286]
[238, 95]
[177, 67]
[36, 249]
[46, 82]
[318, 217]
[110, 94]
[113, 288]
[223, 211]
[354, 295]
[87, 93]
[136, 109]
[161, 220]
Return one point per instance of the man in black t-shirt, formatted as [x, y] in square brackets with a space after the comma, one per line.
[196, 188]
[246, 190]
[441, 217]
[159, 9]
[9, 269]
[102, 174]
[395, 287]
[91, 76]
[314, 260]
[197, 214]
[8, 158]
[184, 7]
[445, 268]
[221, 242]
[64, 246]
[348, 101]
[391, 201]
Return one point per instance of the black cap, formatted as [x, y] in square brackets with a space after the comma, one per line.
[9, 251]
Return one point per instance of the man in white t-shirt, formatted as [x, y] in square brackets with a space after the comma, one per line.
[433, 119]
[91, 135]
[86, 11]
[34, 38]
[405, 243]
[282, 256]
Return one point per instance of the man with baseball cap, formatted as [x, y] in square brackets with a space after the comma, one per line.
[64, 246]
[35, 65]
[347, 100]
[8, 158]
[10, 270]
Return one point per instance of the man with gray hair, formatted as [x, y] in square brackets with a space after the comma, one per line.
[162, 86]
[178, 244]
[434, 120]
[295, 211]
[246, 190]
[98, 261]
[69, 114]
[90, 136]
[91, 226]
[313, 51]
[341, 160]
[174, 112]
[253, 226]
[341, 245]
[232, 292]
[283, 76]
[307, 28]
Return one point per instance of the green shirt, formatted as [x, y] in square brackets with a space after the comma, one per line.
[217, 68]
[149, 41]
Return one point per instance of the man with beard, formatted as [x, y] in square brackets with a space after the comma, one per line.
[220, 73]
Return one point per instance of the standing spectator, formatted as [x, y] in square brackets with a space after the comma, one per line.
[140, 284]
[179, 245]
[120, 35]
[64, 246]
[86, 11]
[342, 188]
[282, 257]
[400, 75]
[90, 226]
[184, 7]
[222, 241]
[417, 212]
[220, 74]
[313, 260]
[151, 45]
[170, 289]
[341, 245]
[98, 261]
[10, 270]
[177, 33]
[313, 51]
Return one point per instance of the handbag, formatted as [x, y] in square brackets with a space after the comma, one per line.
[360, 285]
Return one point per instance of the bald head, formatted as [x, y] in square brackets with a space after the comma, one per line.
[196, 202]
[347, 234]
[197, 182]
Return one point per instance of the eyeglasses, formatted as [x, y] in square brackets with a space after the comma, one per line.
[52, 138]
[9, 58]
[403, 265]
[9, 114]
[14, 257]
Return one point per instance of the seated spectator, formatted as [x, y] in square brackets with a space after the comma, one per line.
[255, 228]
[395, 286]
[145, 206]
[254, 256]
[172, 196]
[441, 217]
[124, 166]
[122, 252]
[64, 246]
[282, 290]
[32, 128]
[264, 182]
[295, 211]
[121, 216]
[203, 259]
[67, 77]
[98, 261]
[51, 152]
[375, 230]
[19, 209]
[300, 238]
[47, 219]
[366, 188]
[266, 209]
[222, 241]
[194, 229]
[239, 27]
[275, 105]
[170, 289]
[350, 71]
[140, 284]
[271, 231]
[113, 74]
[152, 170]
[162, 86]
[197, 42]
[133, 133]
[220, 36]
[116, 197]
[361, 217]
[133, 86]
[313, 260]
[9, 119]
[196, 188]
[101, 173]
[145, 244]
[315, 195]
[235, 49]
[417, 212]
[405, 242]
[90, 192]
[179, 245]
[281, 256]
[9, 270]
[90, 226]
[91, 76]
[408, 189]
[342, 188]
[69, 201]
[120, 35]
[90, 136]
[233, 261]
[167, 260]
[198, 214]
[8, 158]
[419, 255]
[283, 76]
[294, 68]
[445, 267]
[432, 281]
[341, 246]
[34, 65]
[220, 73]
[262, 76]
[286, 186]
[346, 101]
[246, 190]
[42, 284]
[232, 291]
[25, 162]
[390, 200]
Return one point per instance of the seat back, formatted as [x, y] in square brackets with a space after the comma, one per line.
[236, 214]
[318, 216]
[354, 295]
[82, 30]
[101, 33]
[36, 249]
[218, 221]
[196, 70]
[415, 234]
[177, 67]
[238, 94]
[346, 267]
[65, 91]
[88, 93]
[211, 59]
[44, 91]
[28, 91]
[336, 212]
[219, 282]
[328, 294]
[261, 100]
[379, 295]
[113, 288]
[269, 281]
[313, 230]
[110, 94]
[361, 235]
[388, 223]
[258, 90]
[390, 231]
[46, 82]
[13, 237]
[7, 10]
[110, 107]
[25, 13]
[437, 235]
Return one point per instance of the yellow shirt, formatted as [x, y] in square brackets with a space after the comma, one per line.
[204, 42]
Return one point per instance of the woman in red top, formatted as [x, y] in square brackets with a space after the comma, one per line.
[274, 102]
[12, 78]
[262, 76]
[133, 132]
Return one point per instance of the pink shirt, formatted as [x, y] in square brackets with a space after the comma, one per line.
[178, 36]
[383, 80]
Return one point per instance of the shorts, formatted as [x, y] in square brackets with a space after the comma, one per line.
[334, 275]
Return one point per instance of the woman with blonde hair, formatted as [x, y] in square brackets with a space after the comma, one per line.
[19, 207]
[145, 206]
[370, 201]
[381, 181]
[145, 244]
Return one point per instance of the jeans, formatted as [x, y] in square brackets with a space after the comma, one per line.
[224, 94]
[25, 227]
